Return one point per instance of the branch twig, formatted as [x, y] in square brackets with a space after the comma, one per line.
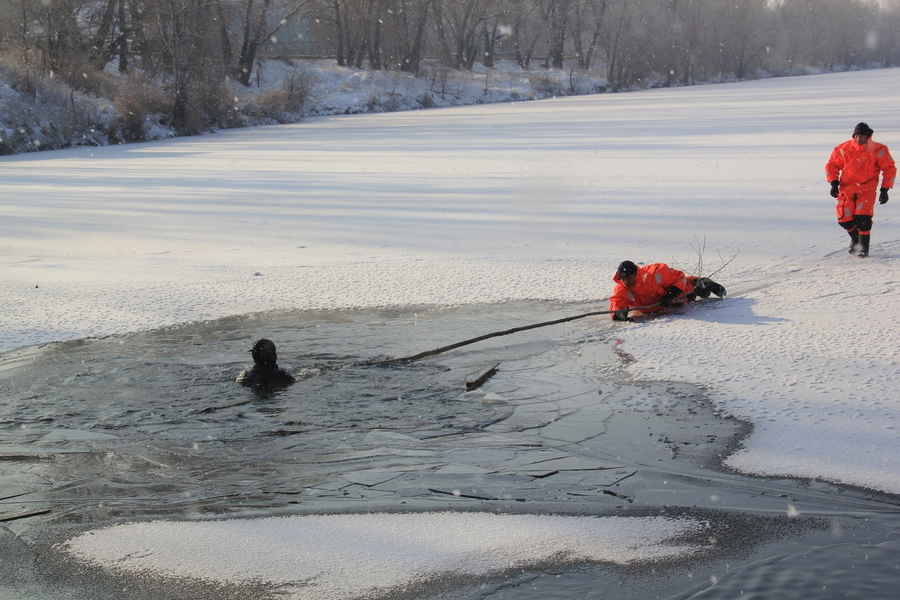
[724, 264]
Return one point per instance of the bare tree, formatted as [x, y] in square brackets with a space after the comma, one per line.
[588, 20]
[616, 43]
[457, 24]
[494, 28]
[693, 50]
[352, 30]
[191, 53]
[886, 45]
[53, 29]
[405, 24]
[743, 35]
[248, 25]
[100, 47]
[556, 14]
[374, 34]
[111, 29]
[527, 30]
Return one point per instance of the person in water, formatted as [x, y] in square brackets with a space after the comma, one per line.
[265, 371]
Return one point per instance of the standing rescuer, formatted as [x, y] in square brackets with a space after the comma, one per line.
[656, 286]
[853, 171]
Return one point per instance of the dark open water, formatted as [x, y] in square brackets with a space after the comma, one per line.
[151, 425]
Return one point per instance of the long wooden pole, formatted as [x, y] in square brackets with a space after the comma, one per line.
[442, 349]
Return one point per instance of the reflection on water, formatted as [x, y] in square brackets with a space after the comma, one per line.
[843, 570]
[152, 425]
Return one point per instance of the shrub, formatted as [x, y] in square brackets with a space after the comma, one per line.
[83, 76]
[272, 104]
[544, 84]
[212, 104]
[426, 100]
[198, 105]
[288, 103]
[393, 102]
[439, 79]
[298, 86]
[374, 101]
[136, 98]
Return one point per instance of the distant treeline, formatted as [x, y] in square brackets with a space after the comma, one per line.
[671, 42]
[193, 45]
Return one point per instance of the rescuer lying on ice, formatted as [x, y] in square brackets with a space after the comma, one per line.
[655, 287]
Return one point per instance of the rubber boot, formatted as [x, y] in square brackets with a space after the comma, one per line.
[716, 288]
[863, 246]
[854, 241]
[705, 286]
[700, 289]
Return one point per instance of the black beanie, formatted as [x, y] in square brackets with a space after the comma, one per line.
[626, 268]
[862, 129]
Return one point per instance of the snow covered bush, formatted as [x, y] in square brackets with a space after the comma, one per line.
[299, 85]
[84, 77]
[287, 104]
[273, 104]
[439, 76]
[426, 100]
[393, 101]
[139, 103]
[545, 84]
[211, 105]
[40, 113]
[373, 103]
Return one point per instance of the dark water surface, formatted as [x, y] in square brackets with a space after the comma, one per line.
[151, 425]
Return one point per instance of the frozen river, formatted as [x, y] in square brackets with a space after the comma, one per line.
[135, 278]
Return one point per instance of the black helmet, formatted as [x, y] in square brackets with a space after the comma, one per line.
[626, 269]
[862, 129]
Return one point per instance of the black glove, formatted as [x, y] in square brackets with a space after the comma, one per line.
[883, 197]
[621, 315]
[835, 188]
[668, 298]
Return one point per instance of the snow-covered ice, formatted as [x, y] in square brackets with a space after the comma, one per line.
[332, 557]
[810, 358]
[496, 202]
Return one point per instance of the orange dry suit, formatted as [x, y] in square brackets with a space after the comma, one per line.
[651, 283]
[857, 168]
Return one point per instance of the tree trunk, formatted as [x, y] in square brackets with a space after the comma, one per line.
[124, 31]
[489, 36]
[373, 26]
[339, 33]
[99, 45]
[227, 50]
[558, 18]
[413, 57]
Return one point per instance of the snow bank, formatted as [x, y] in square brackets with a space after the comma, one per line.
[335, 557]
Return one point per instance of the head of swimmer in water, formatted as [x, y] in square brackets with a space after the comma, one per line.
[264, 354]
